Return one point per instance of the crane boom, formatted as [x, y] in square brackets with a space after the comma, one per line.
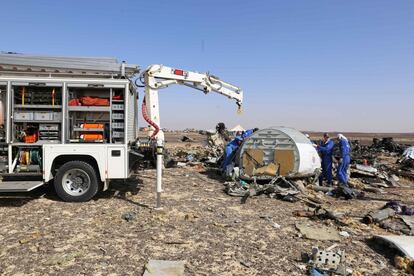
[159, 76]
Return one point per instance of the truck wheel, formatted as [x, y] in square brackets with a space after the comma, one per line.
[76, 181]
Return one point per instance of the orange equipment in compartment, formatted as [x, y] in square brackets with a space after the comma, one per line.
[88, 136]
[91, 101]
[92, 126]
[31, 138]
[74, 102]
[91, 137]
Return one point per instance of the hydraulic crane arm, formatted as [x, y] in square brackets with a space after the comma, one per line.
[165, 76]
[157, 77]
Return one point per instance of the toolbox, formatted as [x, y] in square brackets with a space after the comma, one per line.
[23, 115]
[48, 127]
[49, 131]
[43, 116]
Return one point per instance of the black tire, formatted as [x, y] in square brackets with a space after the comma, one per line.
[86, 168]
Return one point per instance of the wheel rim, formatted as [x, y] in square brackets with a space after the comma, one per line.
[76, 182]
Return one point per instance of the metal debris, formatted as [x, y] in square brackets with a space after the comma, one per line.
[378, 216]
[318, 232]
[327, 262]
[164, 268]
[278, 187]
[129, 216]
[186, 139]
[344, 234]
[405, 244]
[407, 158]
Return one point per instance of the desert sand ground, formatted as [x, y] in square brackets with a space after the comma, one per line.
[212, 232]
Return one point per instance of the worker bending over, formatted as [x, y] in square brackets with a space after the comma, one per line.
[234, 145]
[344, 160]
[326, 150]
[222, 130]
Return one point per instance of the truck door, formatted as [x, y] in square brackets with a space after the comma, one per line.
[116, 162]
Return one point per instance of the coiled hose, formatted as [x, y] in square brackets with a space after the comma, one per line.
[148, 120]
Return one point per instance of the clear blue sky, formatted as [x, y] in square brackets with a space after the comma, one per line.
[314, 65]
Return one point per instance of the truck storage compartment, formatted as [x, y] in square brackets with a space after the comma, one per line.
[89, 114]
[34, 104]
[3, 115]
[26, 132]
[96, 114]
[3, 104]
[37, 94]
[89, 96]
[27, 159]
[117, 116]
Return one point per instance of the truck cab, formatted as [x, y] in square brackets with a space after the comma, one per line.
[68, 122]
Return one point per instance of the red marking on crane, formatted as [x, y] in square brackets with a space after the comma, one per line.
[179, 72]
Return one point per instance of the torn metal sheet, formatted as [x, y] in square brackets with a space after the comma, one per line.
[365, 168]
[403, 243]
[327, 262]
[164, 268]
[409, 221]
[409, 153]
[318, 232]
[379, 215]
